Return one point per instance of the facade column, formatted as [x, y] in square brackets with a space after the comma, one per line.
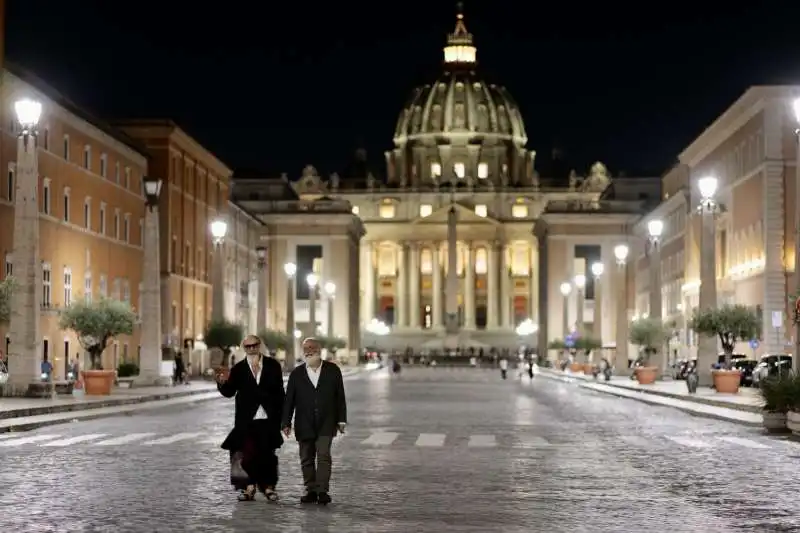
[469, 287]
[544, 334]
[707, 345]
[436, 292]
[505, 289]
[492, 290]
[414, 286]
[369, 282]
[533, 286]
[401, 291]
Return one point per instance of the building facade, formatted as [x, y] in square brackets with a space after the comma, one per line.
[243, 277]
[91, 211]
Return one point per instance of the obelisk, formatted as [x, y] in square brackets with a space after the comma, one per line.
[451, 285]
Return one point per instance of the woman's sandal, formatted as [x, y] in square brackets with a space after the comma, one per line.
[271, 495]
[248, 494]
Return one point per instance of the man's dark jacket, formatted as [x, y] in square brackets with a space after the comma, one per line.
[317, 412]
[267, 393]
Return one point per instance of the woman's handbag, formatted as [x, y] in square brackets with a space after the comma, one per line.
[238, 474]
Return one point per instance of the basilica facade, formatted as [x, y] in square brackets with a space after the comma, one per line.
[457, 242]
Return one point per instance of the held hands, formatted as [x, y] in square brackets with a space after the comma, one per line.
[287, 430]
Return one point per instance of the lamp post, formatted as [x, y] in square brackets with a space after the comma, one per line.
[312, 280]
[598, 269]
[290, 269]
[796, 302]
[330, 292]
[261, 299]
[219, 229]
[26, 298]
[150, 312]
[621, 360]
[580, 296]
[655, 228]
[566, 288]
[707, 345]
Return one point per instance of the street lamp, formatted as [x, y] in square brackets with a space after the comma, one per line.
[290, 269]
[566, 288]
[655, 228]
[708, 188]
[312, 280]
[597, 269]
[150, 359]
[26, 299]
[219, 229]
[261, 299]
[330, 291]
[621, 254]
[580, 281]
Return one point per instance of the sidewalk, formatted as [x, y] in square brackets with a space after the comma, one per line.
[742, 408]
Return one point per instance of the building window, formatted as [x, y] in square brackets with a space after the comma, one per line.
[104, 165]
[126, 228]
[103, 286]
[46, 138]
[386, 210]
[46, 196]
[87, 157]
[481, 261]
[11, 184]
[126, 291]
[436, 170]
[66, 204]
[116, 172]
[9, 265]
[426, 261]
[428, 319]
[116, 224]
[519, 211]
[127, 177]
[47, 285]
[355, 210]
[66, 147]
[87, 213]
[87, 287]
[483, 171]
[116, 290]
[425, 210]
[102, 220]
[67, 286]
[458, 168]
[481, 210]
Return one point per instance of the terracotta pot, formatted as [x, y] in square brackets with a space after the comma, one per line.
[774, 422]
[726, 381]
[588, 368]
[646, 375]
[98, 382]
[793, 422]
[576, 367]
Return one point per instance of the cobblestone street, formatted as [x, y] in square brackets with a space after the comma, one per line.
[431, 450]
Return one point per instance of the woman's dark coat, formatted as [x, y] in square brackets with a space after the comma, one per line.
[268, 393]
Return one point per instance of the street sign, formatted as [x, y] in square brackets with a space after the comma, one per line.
[777, 319]
[754, 343]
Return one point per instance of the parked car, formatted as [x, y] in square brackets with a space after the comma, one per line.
[3, 374]
[771, 365]
[746, 367]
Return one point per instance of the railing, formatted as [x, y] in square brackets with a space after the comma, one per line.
[601, 206]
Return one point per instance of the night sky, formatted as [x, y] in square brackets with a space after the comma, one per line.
[308, 83]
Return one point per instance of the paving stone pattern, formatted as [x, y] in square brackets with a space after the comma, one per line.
[461, 452]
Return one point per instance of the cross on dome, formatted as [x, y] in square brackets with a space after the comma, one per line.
[459, 49]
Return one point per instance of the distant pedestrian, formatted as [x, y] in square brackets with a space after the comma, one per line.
[504, 367]
[315, 398]
[257, 383]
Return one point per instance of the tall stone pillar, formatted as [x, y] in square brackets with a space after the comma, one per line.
[707, 345]
[369, 281]
[505, 289]
[150, 359]
[469, 288]
[493, 289]
[414, 286]
[25, 349]
[402, 285]
[451, 290]
[436, 291]
[544, 296]
[621, 297]
[655, 304]
[218, 284]
[533, 287]
[597, 315]
[774, 277]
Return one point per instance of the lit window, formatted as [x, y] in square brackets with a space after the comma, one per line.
[481, 210]
[458, 168]
[481, 261]
[425, 210]
[426, 261]
[483, 171]
[355, 209]
[386, 211]
[519, 211]
[436, 170]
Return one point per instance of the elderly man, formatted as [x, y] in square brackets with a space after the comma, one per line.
[315, 396]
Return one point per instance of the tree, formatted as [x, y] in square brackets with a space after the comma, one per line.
[275, 340]
[731, 323]
[333, 343]
[587, 345]
[650, 334]
[7, 287]
[223, 334]
[97, 323]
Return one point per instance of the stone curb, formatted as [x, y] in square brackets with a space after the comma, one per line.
[690, 406]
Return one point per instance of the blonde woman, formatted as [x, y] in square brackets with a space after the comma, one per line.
[257, 383]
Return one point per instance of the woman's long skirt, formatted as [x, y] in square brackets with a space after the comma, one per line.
[253, 461]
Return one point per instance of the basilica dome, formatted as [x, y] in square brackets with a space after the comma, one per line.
[460, 103]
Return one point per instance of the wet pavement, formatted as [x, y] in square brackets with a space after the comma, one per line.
[433, 450]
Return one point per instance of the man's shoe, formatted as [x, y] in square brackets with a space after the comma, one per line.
[309, 497]
[323, 498]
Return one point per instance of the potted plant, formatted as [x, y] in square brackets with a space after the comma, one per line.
[561, 347]
[793, 412]
[96, 324]
[220, 337]
[275, 340]
[730, 323]
[650, 334]
[777, 393]
[587, 345]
